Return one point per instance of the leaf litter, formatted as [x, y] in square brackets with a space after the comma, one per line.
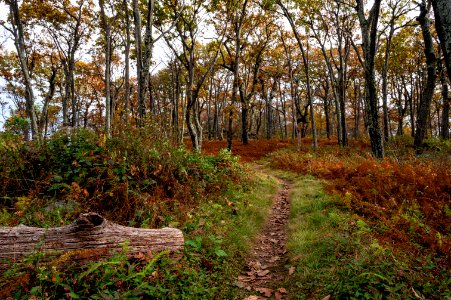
[265, 267]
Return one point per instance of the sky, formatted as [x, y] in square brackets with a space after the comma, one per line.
[161, 55]
[6, 43]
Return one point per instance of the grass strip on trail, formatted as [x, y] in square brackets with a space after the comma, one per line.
[333, 252]
[218, 235]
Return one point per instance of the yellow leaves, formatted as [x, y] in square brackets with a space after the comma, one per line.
[39, 10]
[347, 199]
[22, 202]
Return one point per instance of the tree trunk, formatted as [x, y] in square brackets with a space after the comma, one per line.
[127, 62]
[334, 84]
[327, 107]
[426, 99]
[139, 62]
[306, 71]
[446, 108]
[17, 30]
[385, 79]
[107, 33]
[369, 30]
[43, 122]
[73, 99]
[442, 13]
[89, 237]
[244, 123]
[444, 126]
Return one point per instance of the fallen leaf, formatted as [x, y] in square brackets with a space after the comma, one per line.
[416, 294]
[253, 297]
[255, 265]
[282, 290]
[291, 270]
[267, 292]
[326, 298]
[263, 273]
[278, 296]
[273, 241]
[274, 259]
[296, 258]
[243, 278]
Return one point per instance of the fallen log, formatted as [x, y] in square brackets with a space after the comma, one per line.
[89, 237]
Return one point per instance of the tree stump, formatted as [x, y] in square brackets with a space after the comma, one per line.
[89, 237]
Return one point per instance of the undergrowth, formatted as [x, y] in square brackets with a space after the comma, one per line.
[407, 198]
[335, 254]
[138, 182]
[133, 179]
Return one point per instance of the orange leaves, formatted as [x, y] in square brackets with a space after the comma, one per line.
[256, 149]
[409, 197]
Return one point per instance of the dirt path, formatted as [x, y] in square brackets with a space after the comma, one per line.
[265, 268]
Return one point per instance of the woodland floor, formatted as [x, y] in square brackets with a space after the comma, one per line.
[255, 150]
[327, 224]
[265, 267]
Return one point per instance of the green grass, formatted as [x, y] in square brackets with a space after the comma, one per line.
[235, 222]
[218, 235]
[334, 253]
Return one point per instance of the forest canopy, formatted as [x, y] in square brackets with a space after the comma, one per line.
[238, 68]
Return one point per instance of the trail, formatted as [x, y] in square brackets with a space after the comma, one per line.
[265, 267]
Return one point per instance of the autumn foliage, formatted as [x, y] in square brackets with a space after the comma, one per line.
[255, 150]
[407, 200]
[133, 179]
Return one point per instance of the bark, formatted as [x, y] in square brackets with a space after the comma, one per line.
[268, 109]
[89, 237]
[357, 100]
[292, 87]
[402, 109]
[306, 71]
[327, 107]
[146, 60]
[369, 30]
[335, 89]
[175, 74]
[189, 60]
[445, 105]
[19, 42]
[127, 61]
[444, 132]
[107, 34]
[238, 20]
[73, 99]
[139, 63]
[385, 78]
[246, 98]
[344, 51]
[426, 99]
[67, 55]
[398, 9]
[442, 13]
[411, 105]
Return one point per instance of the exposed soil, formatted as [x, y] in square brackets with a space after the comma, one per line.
[265, 268]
